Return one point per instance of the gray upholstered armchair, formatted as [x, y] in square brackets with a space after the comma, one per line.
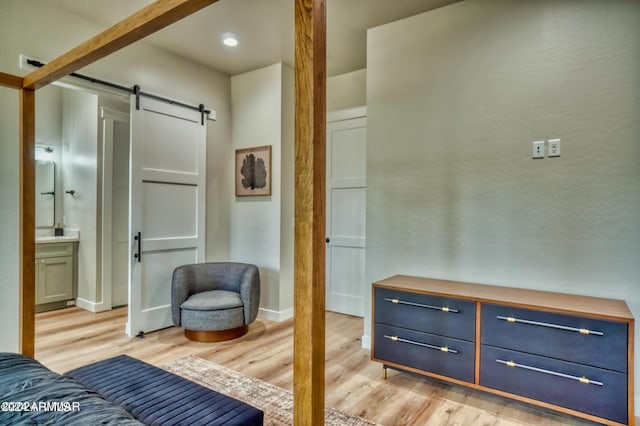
[215, 301]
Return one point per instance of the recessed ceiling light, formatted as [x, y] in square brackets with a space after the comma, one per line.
[230, 41]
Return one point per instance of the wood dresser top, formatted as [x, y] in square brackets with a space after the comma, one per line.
[568, 303]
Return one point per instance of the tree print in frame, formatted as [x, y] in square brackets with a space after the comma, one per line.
[253, 171]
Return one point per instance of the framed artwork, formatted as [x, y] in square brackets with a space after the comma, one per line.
[253, 171]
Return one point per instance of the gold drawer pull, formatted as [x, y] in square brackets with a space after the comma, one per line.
[424, 345]
[550, 325]
[420, 305]
[552, 373]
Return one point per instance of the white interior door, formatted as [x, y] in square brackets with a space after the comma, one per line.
[346, 201]
[167, 206]
[115, 206]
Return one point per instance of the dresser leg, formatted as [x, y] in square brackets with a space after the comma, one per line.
[384, 372]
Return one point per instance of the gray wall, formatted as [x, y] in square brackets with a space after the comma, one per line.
[287, 182]
[9, 220]
[262, 108]
[347, 90]
[454, 99]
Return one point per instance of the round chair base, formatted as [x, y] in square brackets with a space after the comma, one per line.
[216, 336]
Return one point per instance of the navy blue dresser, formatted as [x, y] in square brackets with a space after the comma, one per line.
[566, 352]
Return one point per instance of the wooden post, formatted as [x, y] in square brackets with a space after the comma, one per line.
[27, 221]
[309, 246]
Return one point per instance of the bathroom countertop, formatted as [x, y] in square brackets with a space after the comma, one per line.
[63, 239]
[70, 236]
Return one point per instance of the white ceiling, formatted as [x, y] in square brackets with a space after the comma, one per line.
[264, 29]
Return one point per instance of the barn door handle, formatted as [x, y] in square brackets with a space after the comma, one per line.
[138, 255]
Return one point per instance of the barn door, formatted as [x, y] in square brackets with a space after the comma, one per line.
[166, 208]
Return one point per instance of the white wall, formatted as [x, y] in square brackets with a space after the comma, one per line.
[287, 181]
[40, 30]
[49, 133]
[347, 90]
[9, 220]
[454, 99]
[79, 174]
[259, 118]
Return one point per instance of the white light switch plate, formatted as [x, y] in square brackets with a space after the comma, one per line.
[554, 147]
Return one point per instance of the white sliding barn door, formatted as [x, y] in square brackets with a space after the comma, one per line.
[346, 201]
[167, 206]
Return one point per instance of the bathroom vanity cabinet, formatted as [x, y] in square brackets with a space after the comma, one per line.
[55, 275]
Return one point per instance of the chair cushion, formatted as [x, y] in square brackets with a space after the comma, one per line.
[212, 300]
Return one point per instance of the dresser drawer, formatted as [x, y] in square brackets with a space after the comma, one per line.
[583, 340]
[435, 354]
[556, 382]
[430, 314]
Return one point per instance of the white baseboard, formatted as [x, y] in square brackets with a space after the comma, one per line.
[366, 342]
[91, 306]
[275, 315]
[637, 407]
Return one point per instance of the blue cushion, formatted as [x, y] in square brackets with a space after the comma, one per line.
[157, 397]
[23, 379]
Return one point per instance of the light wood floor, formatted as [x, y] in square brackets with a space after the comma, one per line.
[72, 337]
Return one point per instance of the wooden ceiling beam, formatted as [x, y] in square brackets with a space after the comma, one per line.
[152, 18]
[8, 80]
[310, 196]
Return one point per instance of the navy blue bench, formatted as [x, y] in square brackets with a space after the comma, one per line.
[157, 397]
[24, 382]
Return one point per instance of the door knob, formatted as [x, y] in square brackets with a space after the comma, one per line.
[327, 240]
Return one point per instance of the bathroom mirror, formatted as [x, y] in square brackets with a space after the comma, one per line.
[45, 193]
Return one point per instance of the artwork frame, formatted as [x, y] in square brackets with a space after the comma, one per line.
[253, 180]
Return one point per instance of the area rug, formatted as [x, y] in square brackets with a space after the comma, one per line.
[275, 402]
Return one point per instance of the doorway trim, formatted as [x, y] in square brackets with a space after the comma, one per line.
[108, 115]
